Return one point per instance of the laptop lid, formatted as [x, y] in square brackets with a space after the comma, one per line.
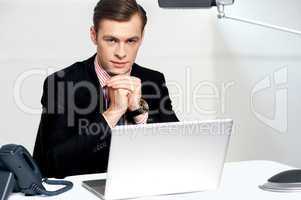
[166, 158]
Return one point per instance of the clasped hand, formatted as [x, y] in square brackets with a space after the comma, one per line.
[124, 93]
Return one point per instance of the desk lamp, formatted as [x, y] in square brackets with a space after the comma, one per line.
[220, 4]
[287, 181]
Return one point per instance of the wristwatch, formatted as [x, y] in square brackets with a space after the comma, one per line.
[143, 108]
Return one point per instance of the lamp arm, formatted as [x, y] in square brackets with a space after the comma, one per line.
[222, 15]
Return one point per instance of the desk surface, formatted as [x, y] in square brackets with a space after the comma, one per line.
[240, 180]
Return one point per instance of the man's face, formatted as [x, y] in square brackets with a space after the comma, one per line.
[118, 43]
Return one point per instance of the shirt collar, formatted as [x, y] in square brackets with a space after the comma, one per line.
[102, 75]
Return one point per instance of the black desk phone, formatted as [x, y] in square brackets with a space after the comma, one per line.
[19, 173]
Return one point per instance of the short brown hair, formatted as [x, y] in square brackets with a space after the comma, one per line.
[118, 10]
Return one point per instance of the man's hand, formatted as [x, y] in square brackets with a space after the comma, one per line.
[118, 99]
[118, 105]
[132, 85]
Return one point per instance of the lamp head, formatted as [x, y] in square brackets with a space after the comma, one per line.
[197, 4]
[193, 3]
[186, 3]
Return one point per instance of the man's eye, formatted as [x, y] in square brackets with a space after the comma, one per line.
[111, 40]
[132, 41]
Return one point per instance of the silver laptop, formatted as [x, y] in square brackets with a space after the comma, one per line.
[164, 158]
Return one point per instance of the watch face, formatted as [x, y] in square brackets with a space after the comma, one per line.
[142, 109]
[144, 105]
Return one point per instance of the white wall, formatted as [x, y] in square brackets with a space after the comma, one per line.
[198, 54]
[248, 54]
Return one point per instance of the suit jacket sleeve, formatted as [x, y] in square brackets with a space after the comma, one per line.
[166, 113]
[61, 150]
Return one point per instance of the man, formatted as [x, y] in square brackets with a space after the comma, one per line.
[82, 102]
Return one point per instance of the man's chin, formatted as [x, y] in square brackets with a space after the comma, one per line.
[113, 73]
[119, 72]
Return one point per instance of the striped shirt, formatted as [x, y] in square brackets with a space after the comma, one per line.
[103, 76]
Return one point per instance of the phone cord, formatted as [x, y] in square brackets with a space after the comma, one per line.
[68, 186]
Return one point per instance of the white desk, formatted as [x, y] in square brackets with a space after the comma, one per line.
[240, 181]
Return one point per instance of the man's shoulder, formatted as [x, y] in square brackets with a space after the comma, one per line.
[74, 72]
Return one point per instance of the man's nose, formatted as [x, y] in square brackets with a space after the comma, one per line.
[120, 51]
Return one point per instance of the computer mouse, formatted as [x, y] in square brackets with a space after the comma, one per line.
[290, 176]
[287, 181]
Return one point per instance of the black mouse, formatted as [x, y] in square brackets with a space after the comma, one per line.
[290, 176]
[287, 181]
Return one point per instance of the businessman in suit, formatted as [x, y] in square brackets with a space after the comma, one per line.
[82, 102]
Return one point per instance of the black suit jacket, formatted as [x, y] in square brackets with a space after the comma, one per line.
[73, 137]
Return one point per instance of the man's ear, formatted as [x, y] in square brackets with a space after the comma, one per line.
[93, 35]
[142, 37]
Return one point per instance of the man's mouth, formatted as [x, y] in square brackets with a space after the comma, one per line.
[119, 64]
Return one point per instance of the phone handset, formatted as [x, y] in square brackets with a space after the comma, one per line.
[28, 178]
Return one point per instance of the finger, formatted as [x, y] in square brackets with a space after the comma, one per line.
[119, 81]
[132, 81]
[131, 84]
[124, 77]
[122, 90]
[122, 86]
[119, 77]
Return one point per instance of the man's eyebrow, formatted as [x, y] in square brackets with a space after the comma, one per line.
[109, 37]
[112, 37]
[134, 38]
